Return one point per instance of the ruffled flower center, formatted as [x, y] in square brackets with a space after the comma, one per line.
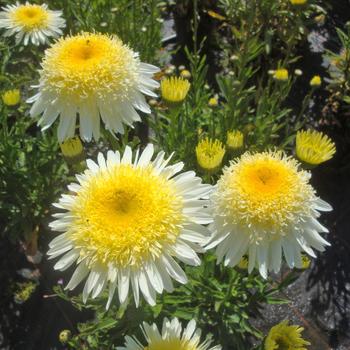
[125, 216]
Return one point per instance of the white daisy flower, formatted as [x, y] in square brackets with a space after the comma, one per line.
[126, 221]
[31, 23]
[172, 337]
[93, 75]
[263, 205]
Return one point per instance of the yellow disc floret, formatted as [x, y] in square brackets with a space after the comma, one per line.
[314, 147]
[264, 192]
[126, 215]
[90, 65]
[174, 89]
[210, 154]
[30, 17]
[285, 337]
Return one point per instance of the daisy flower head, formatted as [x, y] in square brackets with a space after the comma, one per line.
[285, 337]
[31, 23]
[125, 222]
[172, 337]
[94, 76]
[263, 204]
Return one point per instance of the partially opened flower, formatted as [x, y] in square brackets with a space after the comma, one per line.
[316, 81]
[285, 337]
[263, 205]
[172, 337]
[95, 76]
[210, 154]
[174, 90]
[281, 74]
[126, 221]
[313, 147]
[11, 97]
[235, 140]
[31, 23]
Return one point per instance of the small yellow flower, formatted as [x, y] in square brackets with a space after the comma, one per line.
[313, 147]
[174, 90]
[316, 81]
[305, 261]
[298, 2]
[213, 102]
[185, 74]
[72, 149]
[320, 19]
[11, 97]
[64, 336]
[281, 74]
[285, 337]
[210, 154]
[234, 140]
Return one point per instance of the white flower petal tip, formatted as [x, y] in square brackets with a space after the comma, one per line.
[172, 336]
[127, 222]
[96, 77]
[264, 208]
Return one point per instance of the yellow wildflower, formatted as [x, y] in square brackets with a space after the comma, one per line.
[11, 97]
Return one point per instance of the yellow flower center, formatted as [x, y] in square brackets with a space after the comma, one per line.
[265, 191]
[90, 65]
[171, 344]
[30, 17]
[126, 215]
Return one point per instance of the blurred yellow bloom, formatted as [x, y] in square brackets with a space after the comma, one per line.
[298, 2]
[185, 74]
[243, 264]
[320, 19]
[285, 337]
[24, 292]
[213, 102]
[72, 148]
[11, 97]
[210, 154]
[316, 81]
[305, 261]
[313, 147]
[281, 74]
[234, 140]
[64, 336]
[174, 90]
